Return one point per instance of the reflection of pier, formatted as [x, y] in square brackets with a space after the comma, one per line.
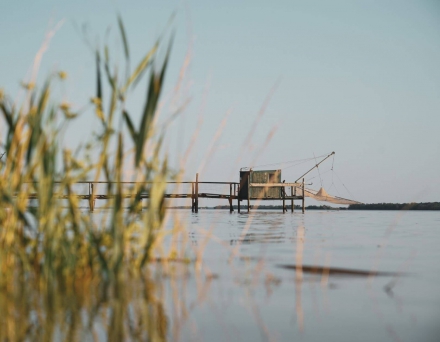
[245, 190]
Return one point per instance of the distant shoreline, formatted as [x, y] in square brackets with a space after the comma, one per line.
[369, 206]
[396, 206]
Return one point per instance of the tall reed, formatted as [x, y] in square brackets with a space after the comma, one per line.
[58, 240]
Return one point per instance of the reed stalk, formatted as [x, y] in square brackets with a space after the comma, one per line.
[56, 256]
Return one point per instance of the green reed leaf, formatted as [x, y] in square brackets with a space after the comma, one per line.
[130, 125]
[124, 37]
[145, 62]
[153, 94]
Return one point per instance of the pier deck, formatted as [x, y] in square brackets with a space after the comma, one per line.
[226, 190]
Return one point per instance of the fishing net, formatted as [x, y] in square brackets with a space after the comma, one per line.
[323, 196]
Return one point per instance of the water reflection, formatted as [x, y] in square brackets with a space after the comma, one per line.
[270, 290]
[129, 310]
[299, 276]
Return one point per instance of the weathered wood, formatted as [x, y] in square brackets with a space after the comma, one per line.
[273, 185]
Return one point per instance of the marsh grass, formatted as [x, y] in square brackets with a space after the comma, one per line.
[56, 261]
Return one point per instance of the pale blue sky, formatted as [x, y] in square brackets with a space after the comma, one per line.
[361, 78]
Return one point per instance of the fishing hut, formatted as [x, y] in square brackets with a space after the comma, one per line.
[264, 185]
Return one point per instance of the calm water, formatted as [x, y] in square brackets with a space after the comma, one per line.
[246, 289]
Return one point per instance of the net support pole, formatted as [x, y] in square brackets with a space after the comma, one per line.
[196, 202]
[303, 198]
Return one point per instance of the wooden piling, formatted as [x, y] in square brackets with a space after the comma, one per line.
[291, 193]
[248, 194]
[284, 199]
[303, 199]
[91, 198]
[238, 198]
[196, 202]
[192, 197]
[231, 209]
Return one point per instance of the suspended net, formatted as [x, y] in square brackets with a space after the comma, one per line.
[322, 196]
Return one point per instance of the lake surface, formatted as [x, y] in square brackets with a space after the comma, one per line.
[322, 275]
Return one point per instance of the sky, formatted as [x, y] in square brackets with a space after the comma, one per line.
[265, 83]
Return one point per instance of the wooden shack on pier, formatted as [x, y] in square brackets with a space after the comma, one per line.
[260, 177]
[267, 185]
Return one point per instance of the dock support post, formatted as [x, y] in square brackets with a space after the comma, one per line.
[196, 202]
[238, 198]
[91, 198]
[303, 201]
[192, 196]
[291, 193]
[249, 194]
[284, 199]
[230, 199]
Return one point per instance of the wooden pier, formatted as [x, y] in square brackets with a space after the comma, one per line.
[288, 191]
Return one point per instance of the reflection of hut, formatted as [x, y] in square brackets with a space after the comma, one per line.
[260, 177]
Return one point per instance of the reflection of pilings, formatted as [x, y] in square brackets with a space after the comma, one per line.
[299, 276]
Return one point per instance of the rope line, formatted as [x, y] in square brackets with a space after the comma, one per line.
[299, 161]
[309, 179]
[344, 186]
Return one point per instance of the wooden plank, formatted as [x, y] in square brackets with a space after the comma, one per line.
[272, 185]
